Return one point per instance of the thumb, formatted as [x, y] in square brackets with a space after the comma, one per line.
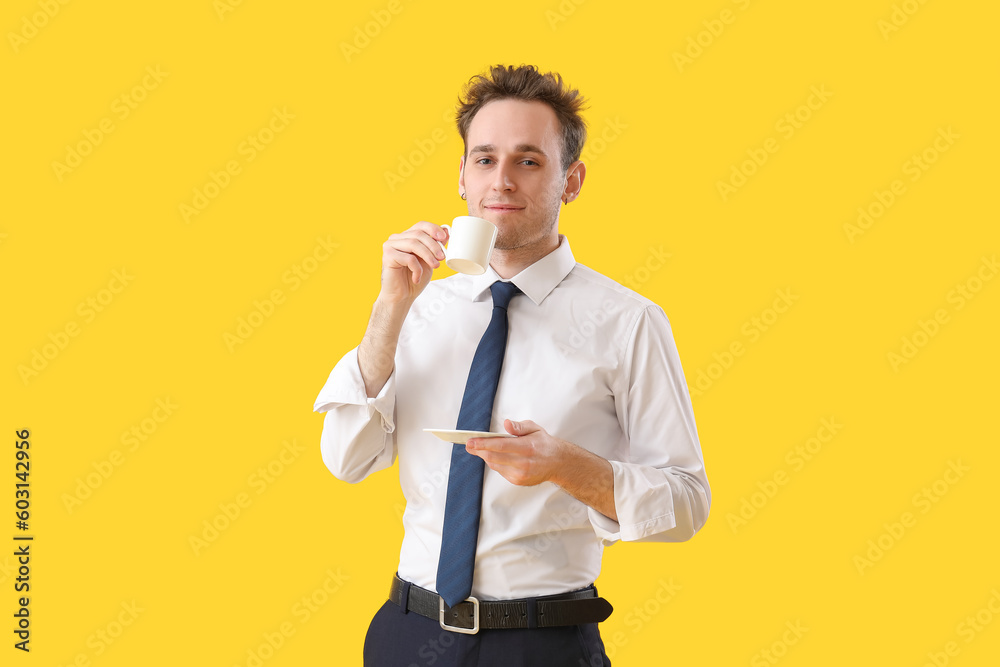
[523, 427]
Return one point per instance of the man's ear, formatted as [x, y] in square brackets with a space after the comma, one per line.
[461, 176]
[575, 175]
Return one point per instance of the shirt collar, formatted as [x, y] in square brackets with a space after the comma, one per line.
[537, 280]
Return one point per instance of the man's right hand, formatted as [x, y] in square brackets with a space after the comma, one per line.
[409, 260]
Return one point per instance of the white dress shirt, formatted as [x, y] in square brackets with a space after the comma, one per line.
[588, 360]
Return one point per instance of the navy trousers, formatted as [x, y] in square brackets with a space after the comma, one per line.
[397, 638]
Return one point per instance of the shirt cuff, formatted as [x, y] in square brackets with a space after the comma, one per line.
[346, 386]
[638, 503]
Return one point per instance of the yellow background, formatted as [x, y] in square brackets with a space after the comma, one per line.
[651, 187]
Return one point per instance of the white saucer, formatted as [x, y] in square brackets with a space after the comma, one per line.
[460, 437]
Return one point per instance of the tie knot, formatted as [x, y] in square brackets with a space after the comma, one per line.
[503, 293]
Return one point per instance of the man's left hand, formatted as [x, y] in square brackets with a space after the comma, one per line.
[533, 456]
[530, 458]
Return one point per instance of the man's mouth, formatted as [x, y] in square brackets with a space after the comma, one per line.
[503, 207]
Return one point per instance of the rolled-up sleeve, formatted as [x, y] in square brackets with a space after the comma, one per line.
[661, 491]
[358, 432]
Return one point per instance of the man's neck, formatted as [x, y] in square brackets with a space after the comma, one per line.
[509, 263]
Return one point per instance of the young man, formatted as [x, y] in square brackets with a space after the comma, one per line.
[504, 536]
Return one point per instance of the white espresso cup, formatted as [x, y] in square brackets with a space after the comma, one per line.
[470, 244]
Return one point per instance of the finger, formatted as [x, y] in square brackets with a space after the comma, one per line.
[438, 235]
[520, 428]
[396, 261]
[511, 457]
[494, 458]
[434, 231]
[426, 249]
[491, 444]
[429, 234]
[473, 446]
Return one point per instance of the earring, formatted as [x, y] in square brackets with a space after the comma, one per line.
[463, 195]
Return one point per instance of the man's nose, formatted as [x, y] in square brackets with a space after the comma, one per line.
[502, 181]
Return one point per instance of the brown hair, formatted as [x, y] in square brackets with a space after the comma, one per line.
[528, 84]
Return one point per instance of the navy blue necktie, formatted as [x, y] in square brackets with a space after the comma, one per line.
[465, 479]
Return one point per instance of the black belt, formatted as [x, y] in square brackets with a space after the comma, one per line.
[473, 615]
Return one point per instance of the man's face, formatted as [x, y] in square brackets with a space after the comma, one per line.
[512, 174]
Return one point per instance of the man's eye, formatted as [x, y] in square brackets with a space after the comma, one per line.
[480, 160]
[531, 161]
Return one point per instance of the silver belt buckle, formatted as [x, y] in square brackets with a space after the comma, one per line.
[475, 617]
